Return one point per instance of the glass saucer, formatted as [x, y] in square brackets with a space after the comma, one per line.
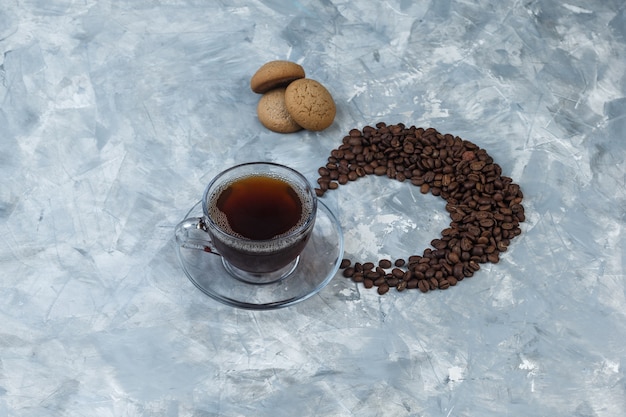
[318, 264]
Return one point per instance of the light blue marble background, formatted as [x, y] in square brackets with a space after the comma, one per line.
[114, 114]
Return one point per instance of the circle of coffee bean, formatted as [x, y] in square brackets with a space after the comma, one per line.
[485, 207]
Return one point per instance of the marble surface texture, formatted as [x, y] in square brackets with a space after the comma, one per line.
[114, 115]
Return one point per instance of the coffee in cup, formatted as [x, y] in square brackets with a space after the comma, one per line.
[258, 217]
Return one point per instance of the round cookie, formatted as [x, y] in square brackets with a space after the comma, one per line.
[275, 74]
[273, 114]
[310, 104]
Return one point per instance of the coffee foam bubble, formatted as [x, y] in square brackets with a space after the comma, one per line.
[240, 242]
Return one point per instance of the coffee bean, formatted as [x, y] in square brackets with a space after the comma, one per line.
[477, 251]
[453, 258]
[486, 223]
[457, 216]
[372, 274]
[354, 133]
[398, 273]
[348, 272]
[477, 166]
[484, 206]
[393, 282]
[383, 289]
[336, 153]
[357, 277]
[380, 170]
[433, 283]
[348, 155]
[368, 266]
[466, 244]
[438, 243]
[384, 263]
[415, 259]
[430, 272]
[493, 257]
[507, 226]
[474, 265]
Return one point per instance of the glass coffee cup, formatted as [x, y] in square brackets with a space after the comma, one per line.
[258, 217]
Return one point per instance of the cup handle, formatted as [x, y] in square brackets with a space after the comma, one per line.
[192, 233]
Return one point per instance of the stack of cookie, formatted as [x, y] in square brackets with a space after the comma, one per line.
[290, 101]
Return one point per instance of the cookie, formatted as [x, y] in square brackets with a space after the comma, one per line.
[273, 114]
[275, 74]
[310, 104]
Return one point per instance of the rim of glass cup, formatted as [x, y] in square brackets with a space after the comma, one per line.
[308, 189]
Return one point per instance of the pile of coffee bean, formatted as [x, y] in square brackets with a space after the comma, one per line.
[485, 206]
